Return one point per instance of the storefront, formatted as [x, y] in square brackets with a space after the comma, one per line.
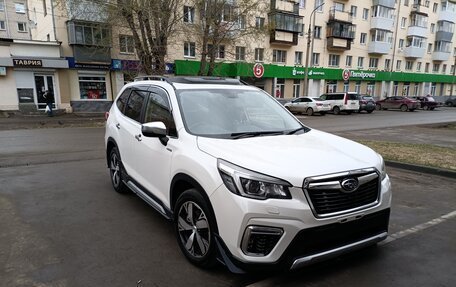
[288, 82]
[27, 70]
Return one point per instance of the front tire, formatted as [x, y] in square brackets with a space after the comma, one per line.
[116, 171]
[309, 112]
[195, 226]
[336, 110]
[404, 108]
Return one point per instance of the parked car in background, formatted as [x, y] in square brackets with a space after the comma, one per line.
[366, 103]
[427, 102]
[398, 102]
[342, 102]
[451, 102]
[308, 106]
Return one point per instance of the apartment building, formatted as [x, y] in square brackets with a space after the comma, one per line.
[14, 23]
[376, 47]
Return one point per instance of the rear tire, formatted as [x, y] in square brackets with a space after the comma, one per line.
[195, 226]
[116, 170]
[336, 110]
[426, 107]
[404, 108]
[309, 112]
[432, 109]
[322, 113]
[378, 107]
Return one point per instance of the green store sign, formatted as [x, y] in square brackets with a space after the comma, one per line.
[241, 69]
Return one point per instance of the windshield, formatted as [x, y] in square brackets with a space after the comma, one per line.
[234, 113]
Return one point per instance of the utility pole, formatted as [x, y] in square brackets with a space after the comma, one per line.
[310, 37]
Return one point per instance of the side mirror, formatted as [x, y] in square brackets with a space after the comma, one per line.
[155, 130]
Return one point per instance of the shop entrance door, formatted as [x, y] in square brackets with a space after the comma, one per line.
[43, 83]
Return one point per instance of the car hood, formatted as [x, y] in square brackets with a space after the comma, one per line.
[293, 157]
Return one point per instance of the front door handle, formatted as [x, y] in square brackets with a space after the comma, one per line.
[138, 137]
[118, 126]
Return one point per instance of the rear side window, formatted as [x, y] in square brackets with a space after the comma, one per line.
[353, 97]
[134, 106]
[122, 100]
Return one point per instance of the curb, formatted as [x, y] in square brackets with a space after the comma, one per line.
[422, 169]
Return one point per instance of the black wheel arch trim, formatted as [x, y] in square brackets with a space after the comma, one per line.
[111, 141]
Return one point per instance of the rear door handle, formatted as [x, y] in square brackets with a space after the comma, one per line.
[118, 126]
[138, 137]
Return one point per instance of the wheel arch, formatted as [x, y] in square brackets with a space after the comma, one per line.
[182, 182]
[110, 144]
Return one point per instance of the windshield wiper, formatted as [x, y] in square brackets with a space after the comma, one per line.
[305, 129]
[254, 134]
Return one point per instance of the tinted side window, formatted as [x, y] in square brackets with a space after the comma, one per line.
[324, 97]
[353, 96]
[159, 110]
[122, 100]
[134, 106]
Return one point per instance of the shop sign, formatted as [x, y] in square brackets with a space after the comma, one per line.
[72, 64]
[296, 72]
[347, 74]
[2, 71]
[27, 63]
[258, 70]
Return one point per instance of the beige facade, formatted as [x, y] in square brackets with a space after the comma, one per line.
[14, 22]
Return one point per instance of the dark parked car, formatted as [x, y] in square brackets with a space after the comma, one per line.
[427, 102]
[366, 103]
[451, 102]
[397, 102]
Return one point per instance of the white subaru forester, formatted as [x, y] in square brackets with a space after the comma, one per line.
[243, 181]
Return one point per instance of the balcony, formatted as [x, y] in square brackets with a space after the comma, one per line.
[386, 3]
[381, 48]
[335, 44]
[382, 23]
[443, 36]
[285, 6]
[283, 38]
[286, 27]
[447, 15]
[417, 31]
[414, 52]
[440, 56]
[340, 16]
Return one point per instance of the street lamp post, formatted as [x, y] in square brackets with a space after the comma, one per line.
[310, 37]
[454, 76]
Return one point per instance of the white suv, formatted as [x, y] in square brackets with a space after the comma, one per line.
[243, 181]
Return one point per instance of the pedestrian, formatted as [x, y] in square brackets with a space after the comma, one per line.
[49, 98]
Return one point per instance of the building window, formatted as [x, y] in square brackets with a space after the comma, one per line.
[296, 88]
[21, 26]
[317, 32]
[452, 69]
[331, 86]
[316, 59]
[44, 8]
[301, 34]
[415, 90]
[298, 58]
[415, 41]
[219, 51]
[406, 2]
[2, 25]
[373, 63]
[346, 86]
[419, 20]
[348, 61]
[365, 13]
[378, 35]
[127, 44]
[319, 4]
[92, 87]
[280, 89]
[259, 54]
[403, 22]
[339, 6]
[20, 8]
[88, 34]
[398, 65]
[259, 22]
[408, 65]
[432, 28]
[371, 89]
[2, 5]
[353, 11]
[444, 68]
[189, 49]
[426, 68]
[302, 4]
[418, 66]
[362, 39]
[333, 60]
[429, 49]
[358, 87]
[401, 43]
[279, 56]
[240, 53]
[241, 22]
[189, 14]
[436, 67]
[387, 64]
[360, 62]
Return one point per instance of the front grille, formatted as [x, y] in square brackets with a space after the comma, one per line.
[327, 196]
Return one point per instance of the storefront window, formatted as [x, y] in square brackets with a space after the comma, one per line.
[296, 88]
[331, 86]
[358, 87]
[371, 89]
[92, 87]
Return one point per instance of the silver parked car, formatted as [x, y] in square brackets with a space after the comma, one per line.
[308, 106]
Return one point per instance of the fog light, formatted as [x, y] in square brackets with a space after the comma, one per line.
[260, 240]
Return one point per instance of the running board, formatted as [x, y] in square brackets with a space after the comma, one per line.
[307, 260]
[138, 191]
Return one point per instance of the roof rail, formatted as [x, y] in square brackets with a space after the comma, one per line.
[150, 78]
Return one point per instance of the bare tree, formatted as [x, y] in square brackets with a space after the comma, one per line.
[225, 22]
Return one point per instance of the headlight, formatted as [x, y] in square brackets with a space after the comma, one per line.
[382, 168]
[252, 184]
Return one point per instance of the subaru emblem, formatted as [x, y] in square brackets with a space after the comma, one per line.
[349, 185]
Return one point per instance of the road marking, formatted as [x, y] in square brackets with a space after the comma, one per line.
[418, 228]
[390, 238]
